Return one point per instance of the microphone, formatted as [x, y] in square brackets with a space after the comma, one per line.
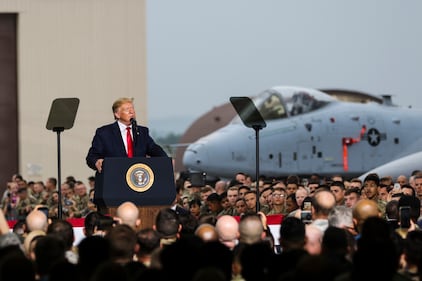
[134, 126]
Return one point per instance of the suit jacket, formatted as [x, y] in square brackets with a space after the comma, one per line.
[108, 142]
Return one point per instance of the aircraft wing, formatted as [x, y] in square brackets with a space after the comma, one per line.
[402, 166]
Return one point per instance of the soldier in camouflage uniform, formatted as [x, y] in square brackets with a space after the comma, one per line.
[81, 199]
[68, 200]
[39, 195]
[228, 209]
[25, 205]
[370, 188]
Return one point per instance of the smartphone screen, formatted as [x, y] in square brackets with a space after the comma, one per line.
[307, 206]
[44, 210]
[404, 217]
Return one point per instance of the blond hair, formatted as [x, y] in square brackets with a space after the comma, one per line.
[118, 103]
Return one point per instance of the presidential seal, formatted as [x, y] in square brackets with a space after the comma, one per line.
[139, 177]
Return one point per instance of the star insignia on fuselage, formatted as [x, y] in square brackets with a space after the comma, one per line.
[374, 137]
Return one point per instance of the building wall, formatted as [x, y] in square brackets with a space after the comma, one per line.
[94, 50]
[8, 97]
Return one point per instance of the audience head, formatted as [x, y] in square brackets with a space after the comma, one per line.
[92, 251]
[335, 242]
[364, 209]
[206, 232]
[128, 213]
[97, 223]
[148, 240]
[323, 202]
[227, 228]
[377, 246]
[342, 217]
[371, 184]
[188, 223]
[167, 224]
[392, 210]
[251, 229]
[291, 203]
[255, 260]
[49, 251]
[243, 189]
[407, 189]
[292, 234]
[414, 203]
[351, 196]
[37, 220]
[123, 243]
[412, 248]
[240, 206]
[30, 241]
[63, 230]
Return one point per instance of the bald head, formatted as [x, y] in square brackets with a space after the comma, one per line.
[364, 209]
[206, 232]
[227, 229]
[251, 229]
[37, 220]
[128, 213]
[324, 202]
[402, 179]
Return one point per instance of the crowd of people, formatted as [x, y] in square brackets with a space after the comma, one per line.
[21, 197]
[329, 229]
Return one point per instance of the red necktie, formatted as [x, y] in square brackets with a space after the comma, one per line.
[129, 143]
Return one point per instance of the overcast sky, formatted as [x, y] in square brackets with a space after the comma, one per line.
[200, 53]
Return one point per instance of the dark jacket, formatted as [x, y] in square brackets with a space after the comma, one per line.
[108, 142]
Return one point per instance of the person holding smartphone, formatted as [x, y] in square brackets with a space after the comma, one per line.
[409, 212]
[322, 203]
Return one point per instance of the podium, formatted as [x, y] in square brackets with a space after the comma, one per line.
[147, 182]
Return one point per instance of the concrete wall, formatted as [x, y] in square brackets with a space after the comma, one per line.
[94, 50]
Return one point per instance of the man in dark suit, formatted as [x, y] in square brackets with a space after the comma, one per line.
[112, 140]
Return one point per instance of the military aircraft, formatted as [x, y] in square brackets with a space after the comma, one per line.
[313, 131]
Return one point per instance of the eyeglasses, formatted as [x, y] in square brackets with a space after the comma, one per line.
[278, 195]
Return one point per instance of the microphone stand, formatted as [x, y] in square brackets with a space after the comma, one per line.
[135, 131]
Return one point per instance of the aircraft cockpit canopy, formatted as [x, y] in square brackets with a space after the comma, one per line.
[279, 103]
